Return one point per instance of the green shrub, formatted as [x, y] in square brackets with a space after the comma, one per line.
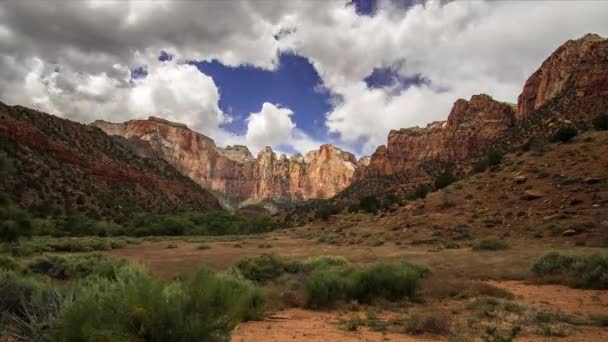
[136, 307]
[371, 204]
[14, 223]
[8, 264]
[490, 245]
[600, 122]
[263, 268]
[78, 266]
[326, 210]
[433, 322]
[18, 291]
[494, 157]
[325, 287]
[444, 179]
[577, 271]
[565, 134]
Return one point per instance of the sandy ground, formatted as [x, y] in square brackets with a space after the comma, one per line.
[559, 298]
[314, 326]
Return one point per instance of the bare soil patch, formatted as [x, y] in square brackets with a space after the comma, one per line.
[314, 326]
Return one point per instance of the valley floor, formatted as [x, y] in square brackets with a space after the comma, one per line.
[505, 269]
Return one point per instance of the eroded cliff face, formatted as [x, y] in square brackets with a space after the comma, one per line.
[579, 63]
[579, 66]
[233, 170]
[471, 125]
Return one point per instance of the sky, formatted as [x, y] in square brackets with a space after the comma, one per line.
[287, 74]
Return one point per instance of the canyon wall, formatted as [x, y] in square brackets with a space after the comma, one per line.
[580, 66]
[234, 170]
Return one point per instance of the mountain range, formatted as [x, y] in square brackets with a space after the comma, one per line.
[159, 165]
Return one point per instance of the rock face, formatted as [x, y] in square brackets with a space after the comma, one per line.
[580, 66]
[233, 170]
[63, 167]
[471, 125]
[580, 63]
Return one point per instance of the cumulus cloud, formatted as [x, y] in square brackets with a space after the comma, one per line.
[74, 58]
[462, 47]
[174, 90]
[272, 126]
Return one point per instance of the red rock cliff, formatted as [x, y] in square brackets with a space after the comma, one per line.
[580, 63]
[233, 170]
[471, 125]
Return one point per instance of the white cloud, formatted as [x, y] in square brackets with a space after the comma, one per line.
[462, 47]
[272, 126]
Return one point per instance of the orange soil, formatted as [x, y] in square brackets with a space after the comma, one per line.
[315, 326]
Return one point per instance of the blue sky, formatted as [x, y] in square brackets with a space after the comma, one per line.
[295, 84]
[378, 65]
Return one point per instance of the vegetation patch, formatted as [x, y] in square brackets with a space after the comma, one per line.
[326, 287]
[490, 245]
[576, 271]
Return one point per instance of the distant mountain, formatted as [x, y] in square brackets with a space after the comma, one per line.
[233, 172]
[61, 167]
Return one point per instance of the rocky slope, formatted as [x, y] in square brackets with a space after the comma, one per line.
[233, 170]
[61, 167]
[570, 88]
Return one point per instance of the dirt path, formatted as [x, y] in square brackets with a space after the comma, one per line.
[558, 298]
[314, 326]
[580, 303]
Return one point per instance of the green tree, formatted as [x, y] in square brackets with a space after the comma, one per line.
[14, 223]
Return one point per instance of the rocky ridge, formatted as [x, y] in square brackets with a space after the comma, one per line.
[62, 167]
[234, 170]
[572, 80]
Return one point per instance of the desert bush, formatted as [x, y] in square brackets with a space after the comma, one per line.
[444, 179]
[325, 287]
[600, 122]
[136, 306]
[589, 271]
[371, 204]
[14, 223]
[199, 223]
[8, 264]
[262, 268]
[433, 322]
[69, 244]
[490, 245]
[565, 134]
[77, 266]
[18, 291]
[492, 157]
[326, 210]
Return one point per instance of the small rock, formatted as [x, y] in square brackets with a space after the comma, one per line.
[520, 179]
[596, 205]
[551, 217]
[569, 232]
[604, 223]
[575, 201]
[531, 195]
[591, 180]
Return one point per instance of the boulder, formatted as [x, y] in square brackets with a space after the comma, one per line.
[532, 195]
[569, 232]
[520, 179]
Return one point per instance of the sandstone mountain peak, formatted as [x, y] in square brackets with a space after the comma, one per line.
[577, 63]
[233, 170]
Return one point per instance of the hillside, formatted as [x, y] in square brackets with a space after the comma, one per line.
[553, 191]
[61, 168]
[567, 92]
